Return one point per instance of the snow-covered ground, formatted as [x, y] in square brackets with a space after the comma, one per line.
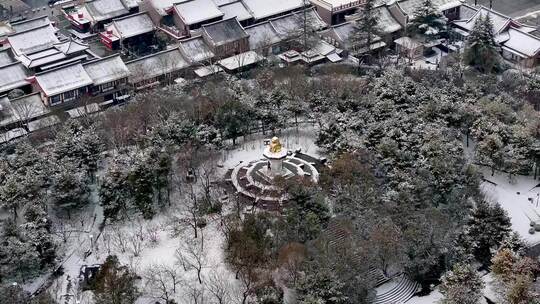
[144, 245]
[432, 298]
[519, 197]
[252, 148]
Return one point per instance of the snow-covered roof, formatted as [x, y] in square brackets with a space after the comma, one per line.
[33, 40]
[410, 6]
[262, 35]
[101, 10]
[287, 26]
[133, 25]
[63, 79]
[71, 46]
[12, 134]
[208, 70]
[30, 23]
[58, 52]
[526, 44]
[500, 21]
[264, 8]
[13, 76]
[235, 9]
[195, 11]
[106, 69]
[237, 61]
[323, 48]
[195, 49]
[29, 107]
[42, 123]
[5, 29]
[223, 2]
[466, 12]
[5, 58]
[162, 6]
[83, 110]
[407, 42]
[132, 3]
[224, 31]
[386, 22]
[337, 4]
[313, 19]
[292, 24]
[343, 31]
[40, 58]
[156, 65]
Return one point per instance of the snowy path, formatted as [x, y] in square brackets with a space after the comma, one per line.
[521, 199]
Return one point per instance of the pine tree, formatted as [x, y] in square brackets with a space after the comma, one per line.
[80, 143]
[428, 21]
[461, 285]
[233, 119]
[366, 29]
[488, 227]
[482, 50]
[321, 286]
[69, 188]
[114, 191]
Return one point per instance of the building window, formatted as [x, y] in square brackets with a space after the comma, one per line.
[107, 86]
[68, 96]
[55, 100]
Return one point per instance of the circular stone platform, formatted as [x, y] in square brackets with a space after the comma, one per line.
[255, 180]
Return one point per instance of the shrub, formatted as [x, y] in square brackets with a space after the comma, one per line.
[531, 231]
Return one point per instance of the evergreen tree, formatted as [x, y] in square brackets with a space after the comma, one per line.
[115, 284]
[481, 50]
[461, 285]
[428, 21]
[22, 178]
[321, 286]
[233, 119]
[69, 187]
[488, 226]
[80, 143]
[141, 181]
[306, 214]
[114, 190]
[366, 29]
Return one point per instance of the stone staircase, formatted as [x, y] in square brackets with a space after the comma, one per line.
[400, 293]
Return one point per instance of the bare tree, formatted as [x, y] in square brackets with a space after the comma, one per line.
[195, 294]
[248, 281]
[119, 239]
[162, 281]
[219, 286]
[191, 255]
[136, 244]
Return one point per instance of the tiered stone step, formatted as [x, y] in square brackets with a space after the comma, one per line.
[378, 276]
[402, 292]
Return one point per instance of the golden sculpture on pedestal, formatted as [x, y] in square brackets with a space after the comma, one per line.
[275, 145]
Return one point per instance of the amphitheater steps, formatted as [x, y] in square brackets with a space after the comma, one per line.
[402, 292]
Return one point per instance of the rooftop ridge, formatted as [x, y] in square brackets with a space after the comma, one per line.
[57, 68]
[155, 54]
[101, 59]
[28, 30]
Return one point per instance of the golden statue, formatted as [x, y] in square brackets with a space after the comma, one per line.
[275, 145]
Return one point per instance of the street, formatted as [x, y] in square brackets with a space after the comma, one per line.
[512, 8]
